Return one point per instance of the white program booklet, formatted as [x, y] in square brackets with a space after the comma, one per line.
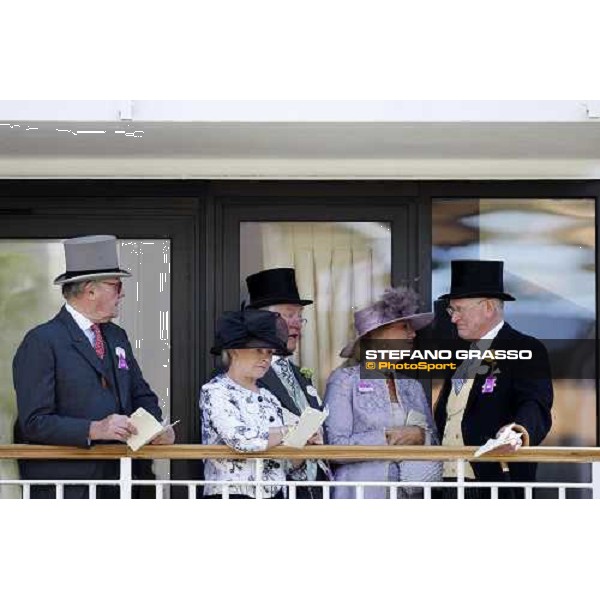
[147, 427]
[309, 423]
[508, 435]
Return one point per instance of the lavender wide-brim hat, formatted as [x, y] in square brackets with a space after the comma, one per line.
[399, 304]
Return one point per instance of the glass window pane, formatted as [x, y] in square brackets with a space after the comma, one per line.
[549, 253]
[342, 266]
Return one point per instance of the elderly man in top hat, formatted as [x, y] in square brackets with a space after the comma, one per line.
[76, 378]
[483, 398]
[276, 290]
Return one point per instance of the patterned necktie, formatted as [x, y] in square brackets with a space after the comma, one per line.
[291, 383]
[464, 371]
[98, 341]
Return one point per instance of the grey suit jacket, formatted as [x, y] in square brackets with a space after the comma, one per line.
[62, 386]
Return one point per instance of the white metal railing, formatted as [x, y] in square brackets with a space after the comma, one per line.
[126, 484]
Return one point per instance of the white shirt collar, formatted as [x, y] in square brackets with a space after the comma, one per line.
[492, 333]
[82, 321]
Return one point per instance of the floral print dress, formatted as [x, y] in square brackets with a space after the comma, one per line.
[240, 418]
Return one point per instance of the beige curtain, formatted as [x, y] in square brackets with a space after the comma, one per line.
[342, 267]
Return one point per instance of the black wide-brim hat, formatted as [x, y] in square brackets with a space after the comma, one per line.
[251, 328]
[273, 286]
[477, 279]
[91, 257]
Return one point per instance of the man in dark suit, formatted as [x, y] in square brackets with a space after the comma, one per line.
[483, 398]
[76, 378]
[276, 290]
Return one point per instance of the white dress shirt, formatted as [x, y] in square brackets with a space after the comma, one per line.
[82, 322]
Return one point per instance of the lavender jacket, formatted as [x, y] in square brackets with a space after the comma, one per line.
[359, 413]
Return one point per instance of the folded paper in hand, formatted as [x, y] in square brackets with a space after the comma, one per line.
[147, 427]
[507, 436]
[416, 418]
[309, 423]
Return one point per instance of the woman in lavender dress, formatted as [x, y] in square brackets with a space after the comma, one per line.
[377, 412]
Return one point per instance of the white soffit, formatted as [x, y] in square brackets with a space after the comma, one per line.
[302, 140]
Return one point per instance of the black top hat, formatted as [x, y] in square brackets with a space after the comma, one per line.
[477, 279]
[273, 286]
[91, 257]
[251, 329]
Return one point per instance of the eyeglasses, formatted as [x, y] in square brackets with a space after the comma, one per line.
[295, 317]
[118, 285]
[460, 310]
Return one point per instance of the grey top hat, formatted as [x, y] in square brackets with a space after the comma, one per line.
[91, 257]
[396, 304]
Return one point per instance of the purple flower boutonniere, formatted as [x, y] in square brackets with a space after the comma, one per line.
[489, 385]
[489, 367]
[121, 356]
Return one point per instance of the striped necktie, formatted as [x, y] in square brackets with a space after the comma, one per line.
[464, 371]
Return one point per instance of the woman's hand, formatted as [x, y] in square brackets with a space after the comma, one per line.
[405, 436]
[276, 435]
[166, 437]
[316, 439]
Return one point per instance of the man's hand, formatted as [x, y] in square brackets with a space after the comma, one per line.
[166, 437]
[113, 427]
[512, 446]
[405, 436]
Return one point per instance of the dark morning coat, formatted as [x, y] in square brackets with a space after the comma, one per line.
[271, 381]
[62, 386]
[526, 401]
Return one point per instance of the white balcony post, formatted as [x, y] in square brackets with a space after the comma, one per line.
[125, 478]
[292, 491]
[259, 478]
[460, 479]
[596, 480]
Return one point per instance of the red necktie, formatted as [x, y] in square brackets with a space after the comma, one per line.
[98, 341]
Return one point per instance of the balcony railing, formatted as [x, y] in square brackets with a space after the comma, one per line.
[334, 453]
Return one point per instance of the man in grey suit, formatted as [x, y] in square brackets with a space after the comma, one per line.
[76, 378]
[276, 290]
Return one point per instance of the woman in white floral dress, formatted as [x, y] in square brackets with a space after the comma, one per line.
[238, 413]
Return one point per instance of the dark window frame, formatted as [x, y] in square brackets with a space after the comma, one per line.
[200, 212]
[70, 213]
